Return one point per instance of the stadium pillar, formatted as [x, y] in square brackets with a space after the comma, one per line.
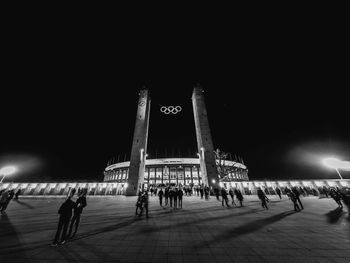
[139, 145]
[204, 140]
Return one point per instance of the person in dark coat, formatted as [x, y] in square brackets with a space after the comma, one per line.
[144, 201]
[278, 191]
[78, 209]
[171, 197]
[6, 201]
[224, 197]
[175, 195]
[138, 203]
[336, 196]
[179, 196]
[231, 193]
[239, 196]
[262, 198]
[65, 212]
[297, 196]
[160, 194]
[18, 192]
[293, 198]
[166, 195]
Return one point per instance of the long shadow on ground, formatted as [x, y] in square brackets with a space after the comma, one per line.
[245, 229]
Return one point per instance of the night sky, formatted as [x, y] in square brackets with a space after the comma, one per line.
[69, 100]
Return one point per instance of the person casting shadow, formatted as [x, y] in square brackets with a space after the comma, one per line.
[65, 212]
[78, 209]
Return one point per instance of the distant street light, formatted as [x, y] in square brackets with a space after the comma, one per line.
[7, 170]
[334, 163]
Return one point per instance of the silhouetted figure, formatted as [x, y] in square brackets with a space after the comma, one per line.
[171, 197]
[345, 195]
[336, 196]
[293, 198]
[138, 203]
[216, 191]
[166, 195]
[144, 201]
[297, 195]
[278, 191]
[18, 192]
[206, 192]
[231, 193]
[6, 197]
[224, 197]
[239, 196]
[175, 197]
[262, 198]
[180, 193]
[78, 209]
[160, 194]
[65, 212]
[201, 191]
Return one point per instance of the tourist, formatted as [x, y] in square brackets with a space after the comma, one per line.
[216, 191]
[201, 191]
[262, 197]
[224, 197]
[65, 212]
[278, 191]
[18, 192]
[171, 196]
[160, 194]
[166, 195]
[239, 196]
[297, 196]
[293, 198]
[206, 192]
[144, 201]
[179, 196]
[78, 209]
[138, 203]
[336, 196]
[175, 195]
[6, 197]
[231, 193]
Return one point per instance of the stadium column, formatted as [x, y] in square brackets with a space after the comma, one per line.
[139, 145]
[204, 139]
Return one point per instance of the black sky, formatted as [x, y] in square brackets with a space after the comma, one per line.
[277, 96]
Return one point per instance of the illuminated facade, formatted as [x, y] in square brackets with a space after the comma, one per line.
[311, 187]
[174, 171]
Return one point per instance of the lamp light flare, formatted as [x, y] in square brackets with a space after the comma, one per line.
[7, 170]
[331, 162]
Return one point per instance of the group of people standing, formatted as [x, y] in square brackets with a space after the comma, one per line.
[65, 211]
[6, 196]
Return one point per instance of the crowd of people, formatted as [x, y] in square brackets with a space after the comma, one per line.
[6, 196]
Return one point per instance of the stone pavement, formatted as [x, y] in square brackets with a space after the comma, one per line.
[202, 231]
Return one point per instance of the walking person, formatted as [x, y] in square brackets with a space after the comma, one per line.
[144, 201]
[217, 193]
[65, 212]
[175, 197]
[138, 203]
[224, 197]
[179, 195]
[293, 198]
[18, 192]
[297, 196]
[201, 191]
[278, 191]
[336, 196]
[239, 196]
[166, 195]
[5, 199]
[262, 197]
[160, 194]
[231, 193]
[78, 209]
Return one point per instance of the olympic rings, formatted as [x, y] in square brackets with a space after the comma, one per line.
[170, 109]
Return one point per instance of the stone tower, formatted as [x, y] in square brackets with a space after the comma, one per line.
[139, 145]
[204, 140]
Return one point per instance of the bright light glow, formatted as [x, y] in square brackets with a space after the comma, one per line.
[7, 170]
[126, 185]
[213, 181]
[336, 164]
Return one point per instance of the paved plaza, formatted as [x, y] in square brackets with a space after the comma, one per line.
[202, 231]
